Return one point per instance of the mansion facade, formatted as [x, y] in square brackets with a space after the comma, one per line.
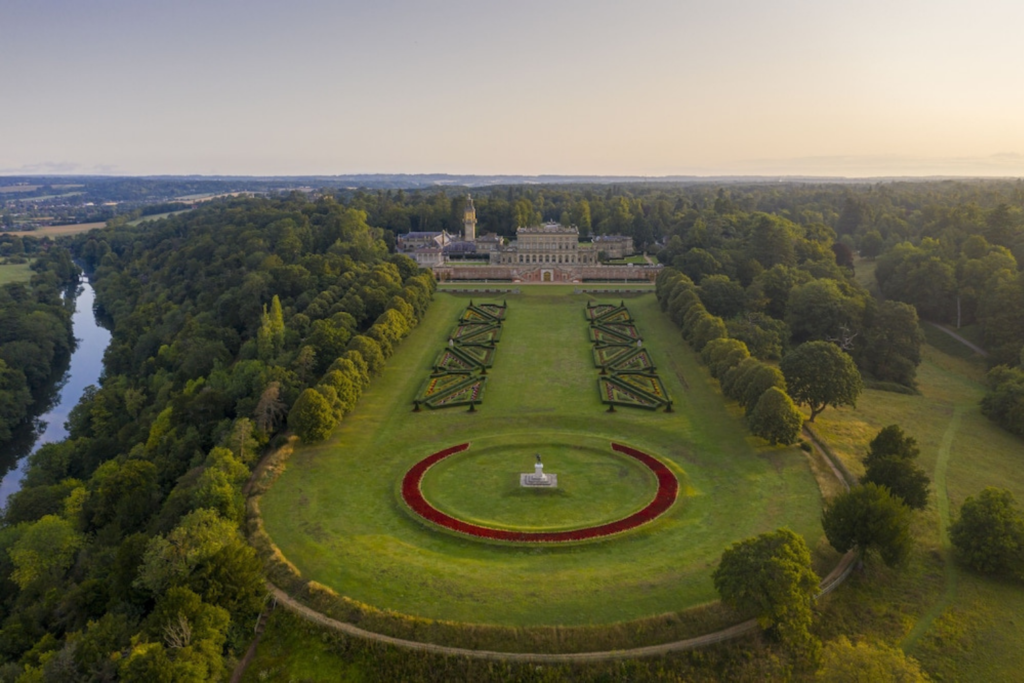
[544, 253]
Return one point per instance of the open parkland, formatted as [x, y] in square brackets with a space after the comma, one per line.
[336, 511]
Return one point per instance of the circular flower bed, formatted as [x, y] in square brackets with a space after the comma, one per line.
[668, 489]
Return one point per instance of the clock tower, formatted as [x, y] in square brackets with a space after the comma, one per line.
[469, 221]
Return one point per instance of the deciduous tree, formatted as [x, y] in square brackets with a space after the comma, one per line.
[771, 576]
[872, 519]
[819, 374]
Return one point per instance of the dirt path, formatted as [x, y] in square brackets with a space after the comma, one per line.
[949, 566]
[973, 347]
[286, 601]
[829, 583]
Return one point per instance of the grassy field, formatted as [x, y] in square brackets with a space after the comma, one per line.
[292, 650]
[961, 625]
[15, 273]
[156, 216]
[59, 230]
[336, 513]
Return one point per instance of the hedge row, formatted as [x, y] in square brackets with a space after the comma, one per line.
[757, 386]
[319, 409]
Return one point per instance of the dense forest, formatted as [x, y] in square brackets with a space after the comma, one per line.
[121, 558]
[35, 329]
[952, 249]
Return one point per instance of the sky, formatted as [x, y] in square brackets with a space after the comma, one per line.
[590, 87]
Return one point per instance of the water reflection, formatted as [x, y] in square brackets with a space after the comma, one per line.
[85, 368]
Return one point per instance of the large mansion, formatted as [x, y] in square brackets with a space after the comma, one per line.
[545, 253]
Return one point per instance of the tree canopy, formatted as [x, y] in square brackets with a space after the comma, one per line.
[870, 518]
[771, 576]
[819, 374]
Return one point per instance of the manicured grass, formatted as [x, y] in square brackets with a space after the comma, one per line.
[962, 626]
[336, 513]
[20, 272]
[596, 485]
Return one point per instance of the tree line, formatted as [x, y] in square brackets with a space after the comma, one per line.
[121, 557]
[35, 330]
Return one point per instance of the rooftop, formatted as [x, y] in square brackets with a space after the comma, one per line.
[548, 229]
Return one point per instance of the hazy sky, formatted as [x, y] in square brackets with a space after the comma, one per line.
[872, 87]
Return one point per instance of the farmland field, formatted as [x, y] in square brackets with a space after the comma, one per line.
[59, 230]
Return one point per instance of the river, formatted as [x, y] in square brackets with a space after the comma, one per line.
[84, 369]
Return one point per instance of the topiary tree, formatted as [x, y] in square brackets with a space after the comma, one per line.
[872, 519]
[691, 319]
[775, 418]
[312, 417]
[370, 351]
[707, 328]
[721, 355]
[760, 380]
[988, 533]
[820, 374]
[734, 381]
[681, 303]
[771, 576]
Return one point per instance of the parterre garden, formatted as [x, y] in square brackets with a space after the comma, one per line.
[457, 377]
[338, 517]
[628, 376]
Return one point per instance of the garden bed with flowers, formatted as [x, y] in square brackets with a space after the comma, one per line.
[457, 377]
[628, 375]
[664, 498]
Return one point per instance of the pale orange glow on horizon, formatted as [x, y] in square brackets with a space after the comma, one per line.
[650, 88]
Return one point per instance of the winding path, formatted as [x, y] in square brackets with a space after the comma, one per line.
[973, 347]
[949, 566]
[836, 577]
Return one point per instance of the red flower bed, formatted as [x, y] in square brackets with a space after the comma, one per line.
[668, 489]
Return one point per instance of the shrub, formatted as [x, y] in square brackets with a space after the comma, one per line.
[988, 533]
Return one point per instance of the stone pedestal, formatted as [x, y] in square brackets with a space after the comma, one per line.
[537, 478]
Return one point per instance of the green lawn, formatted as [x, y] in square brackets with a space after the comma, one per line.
[336, 513]
[20, 272]
[596, 485]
